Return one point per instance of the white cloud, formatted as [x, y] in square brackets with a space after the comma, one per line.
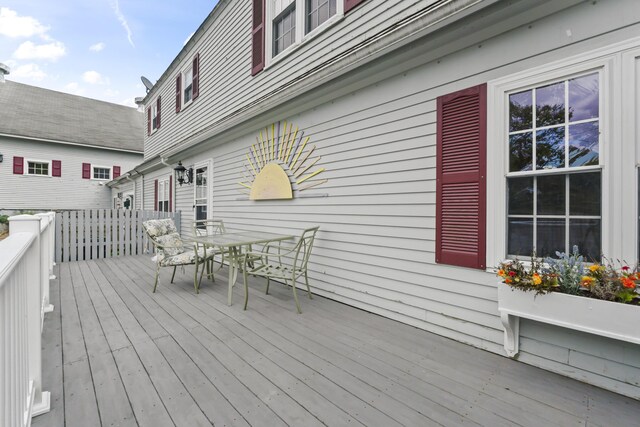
[29, 72]
[97, 47]
[115, 5]
[12, 25]
[129, 102]
[51, 51]
[94, 78]
[74, 88]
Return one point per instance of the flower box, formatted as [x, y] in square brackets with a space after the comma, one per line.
[599, 317]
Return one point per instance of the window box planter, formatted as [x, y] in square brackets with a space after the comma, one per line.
[599, 317]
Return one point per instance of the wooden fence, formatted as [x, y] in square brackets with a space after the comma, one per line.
[103, 233]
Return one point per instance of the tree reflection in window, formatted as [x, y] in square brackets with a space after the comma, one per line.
[553, 212]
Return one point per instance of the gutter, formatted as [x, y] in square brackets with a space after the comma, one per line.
[79, 144]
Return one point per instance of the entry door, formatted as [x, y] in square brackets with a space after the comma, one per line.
[201, 202]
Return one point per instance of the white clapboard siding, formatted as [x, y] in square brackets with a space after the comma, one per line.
[103, 233]
[375, 248]
[225, 71]
[69, 191]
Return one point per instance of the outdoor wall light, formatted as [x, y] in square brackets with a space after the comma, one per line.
[183, 175]
[1, 158]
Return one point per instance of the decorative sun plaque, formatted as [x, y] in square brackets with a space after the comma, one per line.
[279, 164]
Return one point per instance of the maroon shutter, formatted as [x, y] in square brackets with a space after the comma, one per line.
[257, 37]
[155, 195]
[116, 172]
[460, 174]
[158, 114]
[170, 194]
[56, 168]
[18, 165]
[86, 171]
[350, 4]
[196, 76]
[149, 121]
[178, 93]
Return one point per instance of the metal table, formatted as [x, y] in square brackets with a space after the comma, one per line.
[233, 242]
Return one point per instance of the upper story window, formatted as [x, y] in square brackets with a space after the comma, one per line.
[99, 172]
[319, 11]
[290, 22]
[38, 168]
[187, 92]
[154, 113]
[188, 84]
[554, 179]
[284, 29]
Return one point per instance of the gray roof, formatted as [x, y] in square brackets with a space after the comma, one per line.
[38, 113]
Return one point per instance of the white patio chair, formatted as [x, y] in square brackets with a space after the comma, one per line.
[274, 262]
[210, 227]
[171, 250]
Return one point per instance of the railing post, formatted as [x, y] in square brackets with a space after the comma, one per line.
[46, 251]
[31, 224]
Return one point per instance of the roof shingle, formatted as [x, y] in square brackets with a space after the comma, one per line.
[39, 113]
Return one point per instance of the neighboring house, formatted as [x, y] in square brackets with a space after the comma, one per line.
[431, 155]
[59, 150]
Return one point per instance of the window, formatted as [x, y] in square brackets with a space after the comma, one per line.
[319, 11]
[155, 116]
[38, 168]
[187, 84]
[164, 195]
[100, 172]
[290, 22]
[201, 196]
[187, 92]
[554, 185]
[284, 30]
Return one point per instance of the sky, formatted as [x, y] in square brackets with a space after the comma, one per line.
[95, 48]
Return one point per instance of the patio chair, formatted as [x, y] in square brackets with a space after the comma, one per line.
[274, 262]
[210, 227]
[171, 250]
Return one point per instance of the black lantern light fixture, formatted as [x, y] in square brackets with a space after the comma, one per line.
[183, 175]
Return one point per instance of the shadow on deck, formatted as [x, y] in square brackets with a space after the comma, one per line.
[117, 355]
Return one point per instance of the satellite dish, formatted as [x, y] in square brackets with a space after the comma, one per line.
[147, 83]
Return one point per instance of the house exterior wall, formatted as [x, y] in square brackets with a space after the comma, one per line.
[70, 190]
[376, 246]
[226, 83]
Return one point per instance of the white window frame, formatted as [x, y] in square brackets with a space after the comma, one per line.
[184, 73]
[93, 172]
[301, 38]
[164, 195]
[26, 167]
[154, 115]
[497, 149]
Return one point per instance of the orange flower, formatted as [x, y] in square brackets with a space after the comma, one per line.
[593, 268]
[628, 283]
[501, 273]
[536, 279]
[508, 281]
[587, 280]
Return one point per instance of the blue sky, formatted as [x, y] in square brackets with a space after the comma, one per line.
[95, 48]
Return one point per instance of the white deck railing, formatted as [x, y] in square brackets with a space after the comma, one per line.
[26, 264]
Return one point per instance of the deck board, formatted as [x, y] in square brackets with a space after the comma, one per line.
[117, 354]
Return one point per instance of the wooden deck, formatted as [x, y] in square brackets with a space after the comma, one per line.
[118, 355]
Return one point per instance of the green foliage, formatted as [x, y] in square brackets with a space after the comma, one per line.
[4, 219]
[569, 268]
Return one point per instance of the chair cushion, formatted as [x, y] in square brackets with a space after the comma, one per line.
[185, 258]
[174, 243]
[160, 227]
